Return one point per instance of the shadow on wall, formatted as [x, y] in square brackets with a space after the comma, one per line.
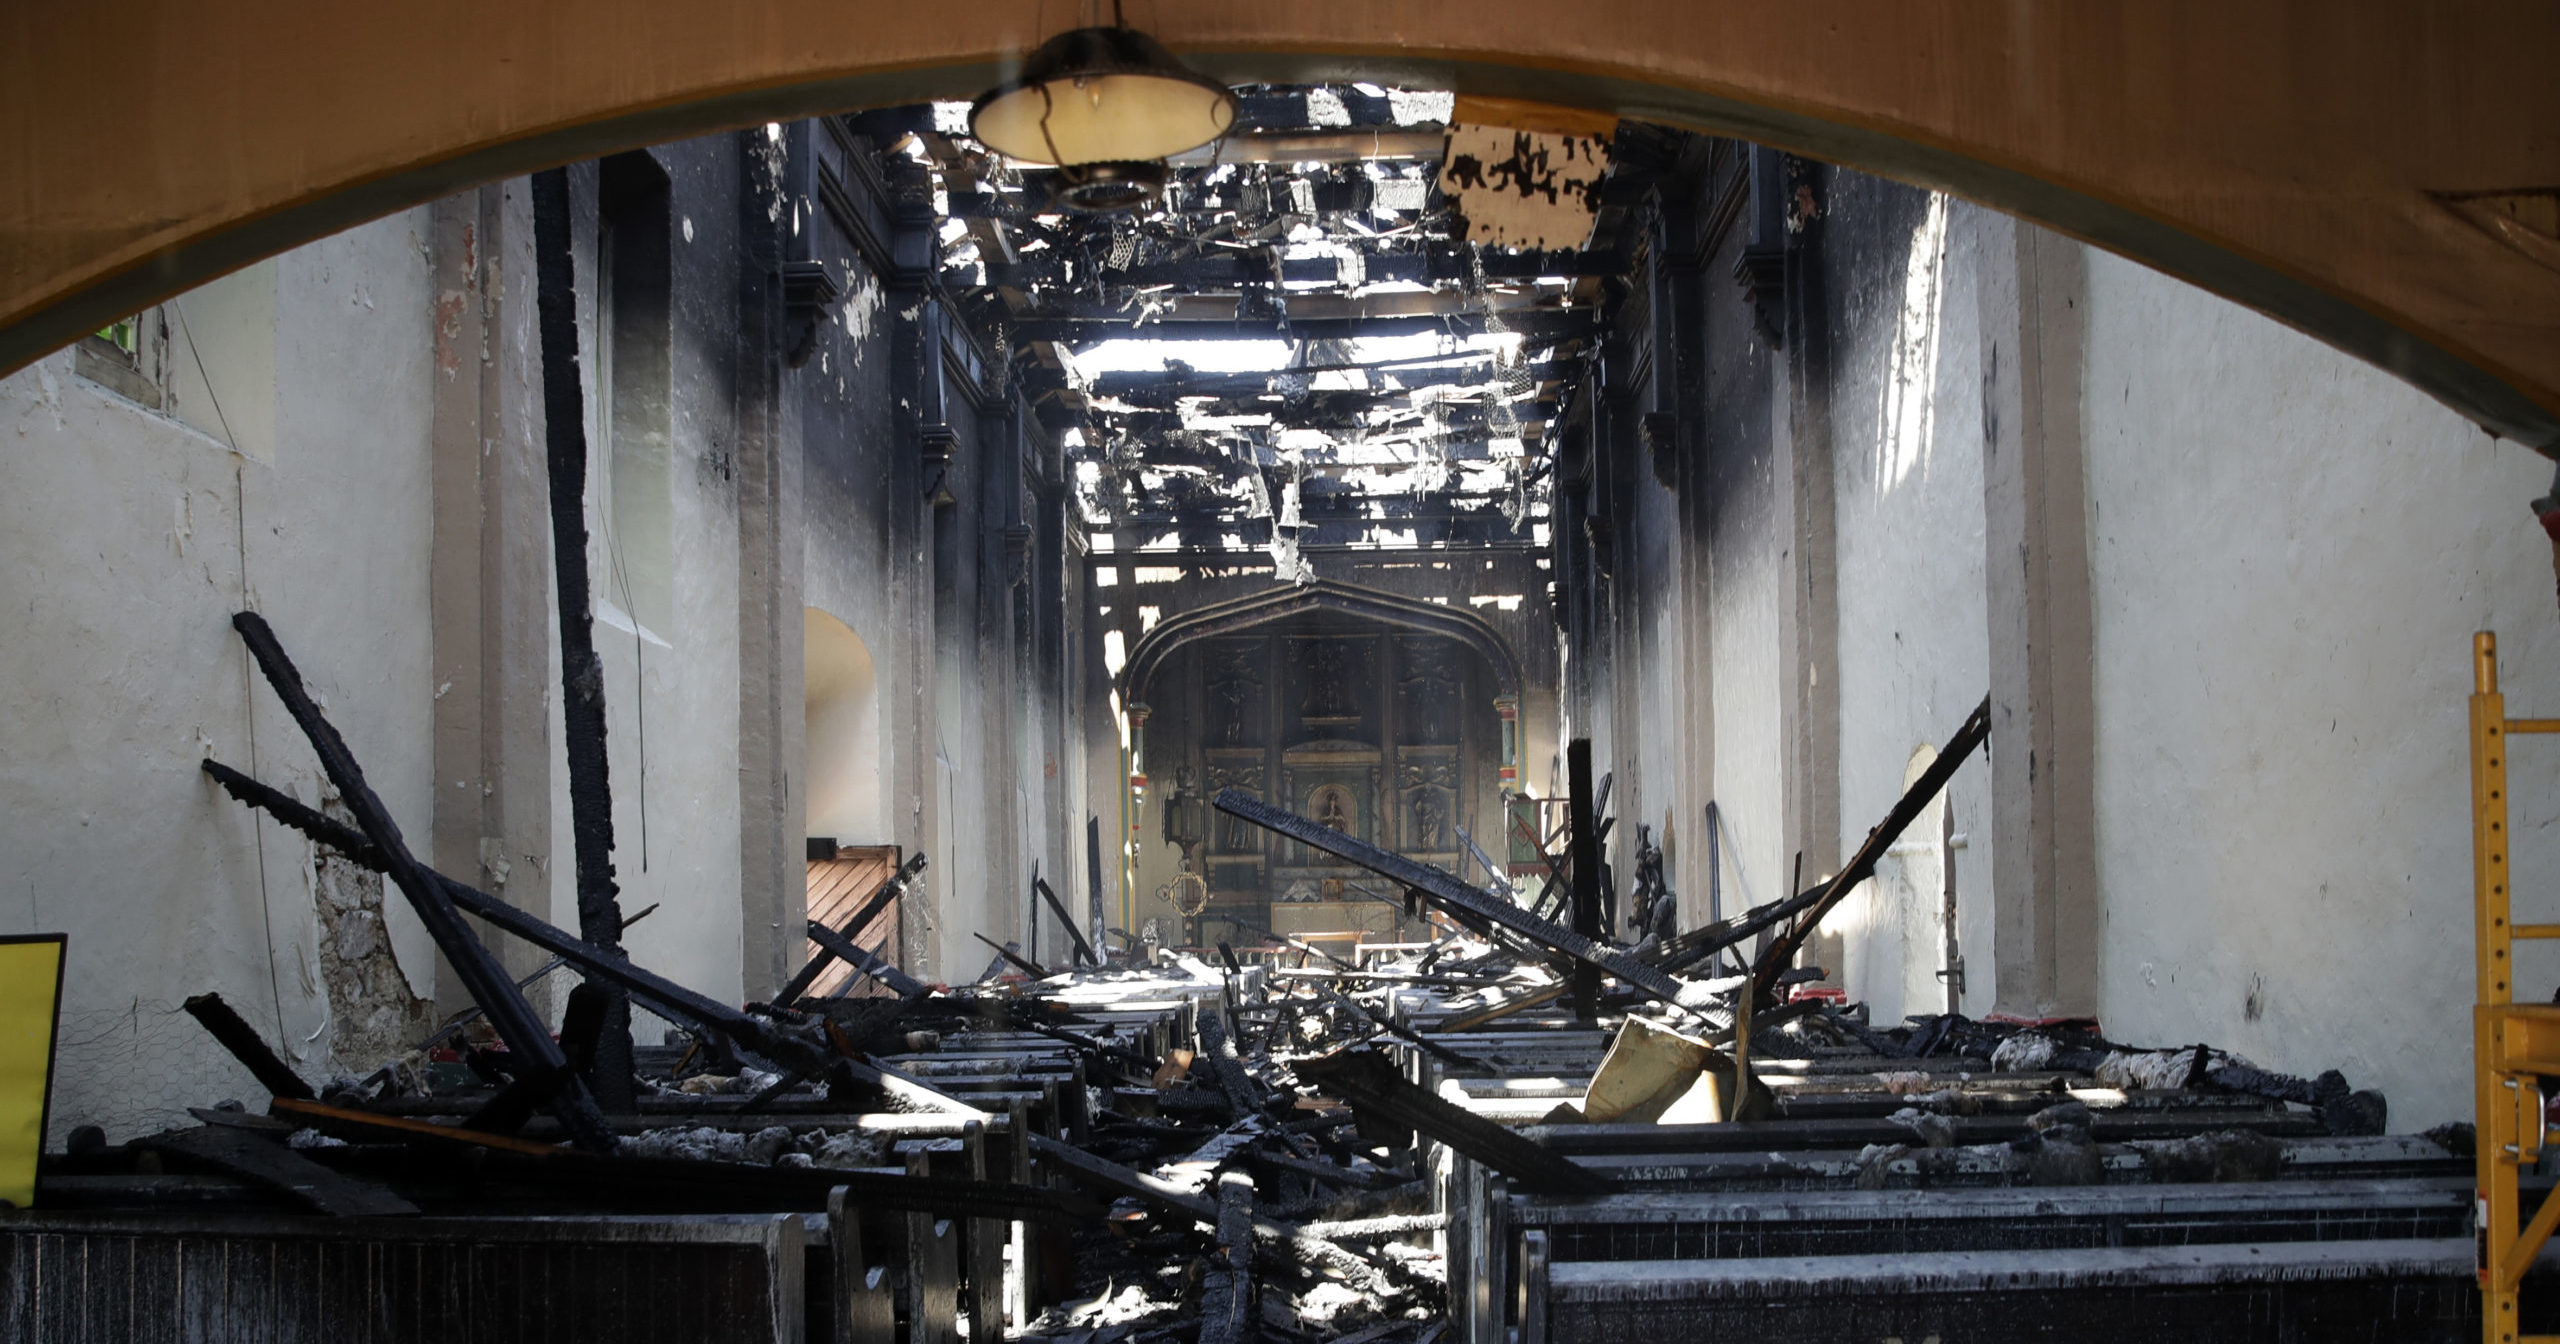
[842, 771]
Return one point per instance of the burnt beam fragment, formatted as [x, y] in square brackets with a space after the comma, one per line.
[1018, 961]
[1365, 1079]
[1229, 1309]
[821, 959]
[1973, 733]
[247, 1046]
[1278, 1239]
[1084, 950]
[759, 1035]
[1584, 874]
[527, 1037]
[846, 950]
[1447, 892]
[564, 434]
[267, 1162]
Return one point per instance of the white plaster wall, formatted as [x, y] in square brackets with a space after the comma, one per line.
[1914, 654]
[1750, 573]
[1645, 749]
[2290, 551]
[671, 704]
[127, 539]
[971, 896]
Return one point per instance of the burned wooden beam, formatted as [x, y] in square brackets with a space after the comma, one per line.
[1093, 873]
[1230, 1312]
[526, 1035]
[1448, 892]
[798, 1055]
[1584, 887]
[1369, 1082]
[1019, 962]
[697, 1182]
[1535, 323]
[1218, 1055]
[1403, 1033]
[1698, 944]
[847, 951]
[1500, 1009]
[821, 959]
[264, 1160]
[1973, 733]
[564, 435]
[1084, 950]
[247, 1046]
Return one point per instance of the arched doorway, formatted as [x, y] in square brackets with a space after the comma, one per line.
[841, 777]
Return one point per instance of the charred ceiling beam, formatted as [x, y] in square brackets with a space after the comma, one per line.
[1225, 271]
[1291, 110]
[1426, 372]
[1308, 307]
[1422, 145]
[1141, 533]
[1552, 323]
[1248, 393]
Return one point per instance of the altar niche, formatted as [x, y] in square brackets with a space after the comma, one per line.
[1379, 731]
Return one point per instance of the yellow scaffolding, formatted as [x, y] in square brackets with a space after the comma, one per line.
[2511, 1043]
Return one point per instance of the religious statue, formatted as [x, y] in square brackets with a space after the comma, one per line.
[1235, 683]
[1426, 820]
[1328, 678]
[1656, 909]
[1333, 807]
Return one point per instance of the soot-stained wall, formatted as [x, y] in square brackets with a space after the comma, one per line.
[2217, 580]
[350, 440]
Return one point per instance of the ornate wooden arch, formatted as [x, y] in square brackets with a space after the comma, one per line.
[1279, 604]
[2377, 175]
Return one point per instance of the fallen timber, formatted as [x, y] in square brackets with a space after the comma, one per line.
[1084, 950]
[607, 1068]
[825, 956]
[1447, 1147]
[1699, 1222]
[546, 1067]
[1806, 908]
[1974, 732]
[792, 1051]
[1448, 892]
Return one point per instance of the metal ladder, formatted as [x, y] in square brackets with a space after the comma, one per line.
[2512, 1042]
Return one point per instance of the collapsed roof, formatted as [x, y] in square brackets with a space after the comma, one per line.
[1356, 319]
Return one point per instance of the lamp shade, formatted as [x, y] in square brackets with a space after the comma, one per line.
[1101, 95]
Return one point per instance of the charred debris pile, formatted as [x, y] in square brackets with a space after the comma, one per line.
[1150, 1145]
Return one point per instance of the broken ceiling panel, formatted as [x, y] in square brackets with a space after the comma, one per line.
[1401, 307]
[1527, 189]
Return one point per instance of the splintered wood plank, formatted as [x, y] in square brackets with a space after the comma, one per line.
[239, 1152]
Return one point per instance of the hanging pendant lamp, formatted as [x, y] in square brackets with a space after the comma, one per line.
[1106, 106]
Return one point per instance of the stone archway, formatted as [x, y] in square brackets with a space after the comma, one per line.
[2378, 177]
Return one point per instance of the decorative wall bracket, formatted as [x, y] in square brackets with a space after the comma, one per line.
[809, 296]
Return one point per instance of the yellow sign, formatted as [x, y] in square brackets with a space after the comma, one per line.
[30, 1001]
